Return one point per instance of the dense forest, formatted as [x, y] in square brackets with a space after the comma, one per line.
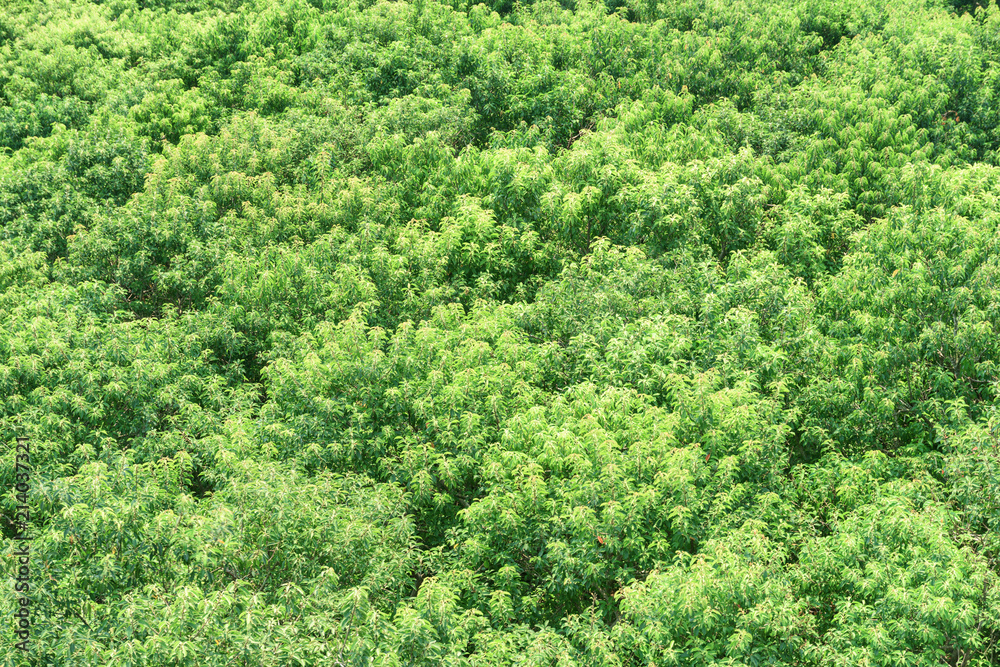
[626, 334]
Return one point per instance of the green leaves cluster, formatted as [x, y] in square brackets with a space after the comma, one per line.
[538, 333]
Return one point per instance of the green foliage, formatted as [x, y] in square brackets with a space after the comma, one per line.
[614, 333]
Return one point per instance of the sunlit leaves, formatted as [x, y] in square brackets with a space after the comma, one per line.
[575, 333]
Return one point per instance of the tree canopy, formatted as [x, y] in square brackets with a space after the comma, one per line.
[548, 332]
